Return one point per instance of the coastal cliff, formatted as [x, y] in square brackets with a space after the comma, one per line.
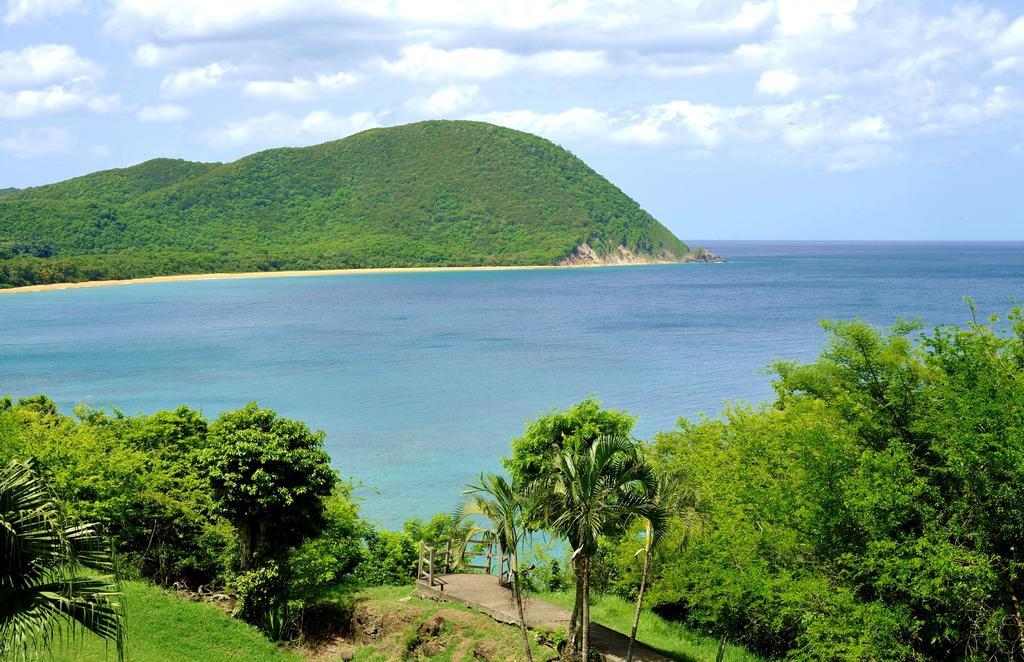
[585, 255]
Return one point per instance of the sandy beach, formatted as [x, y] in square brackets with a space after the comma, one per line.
[278, 274]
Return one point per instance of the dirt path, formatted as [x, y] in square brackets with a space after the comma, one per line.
[483, 593]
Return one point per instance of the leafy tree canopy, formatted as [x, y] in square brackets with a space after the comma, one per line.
[874, 511]
[534, 454]
[269, 476]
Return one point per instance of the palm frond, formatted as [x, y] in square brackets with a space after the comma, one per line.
[57, 579]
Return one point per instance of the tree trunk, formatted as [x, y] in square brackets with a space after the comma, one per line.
[245, 534]
[1017, 618]
[577, 609]
[586, 610]
[639, 599]
[518, 591]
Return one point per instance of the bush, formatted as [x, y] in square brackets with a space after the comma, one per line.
[389, 559]
[873, 512]
[263, 600]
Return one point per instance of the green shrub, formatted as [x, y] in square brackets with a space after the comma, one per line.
[389, 559]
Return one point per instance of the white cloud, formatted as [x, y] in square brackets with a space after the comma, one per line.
[43, 63]
[103, 103]
[951, 118]
[1010, 64]
[189, 82]
[54, 99]
[800, 16]
[777, 82]
[446, 100]
[693, 123]
[425, 62]
[598, 21]
[184, 19]
[301, 89]
[567, 63]
[868, 128]
[840, 83]
[508, 14]
[819, 131]
[148, 55]
[99, 151]
[1012, 39]
[575, 123]
[21, 11]
[282, 129]
[163, 113]
[31, 143]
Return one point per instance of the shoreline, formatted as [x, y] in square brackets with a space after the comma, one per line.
[299, 273]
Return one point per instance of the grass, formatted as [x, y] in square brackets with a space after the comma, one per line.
[464, 629]
[668, 637]
[163, 627]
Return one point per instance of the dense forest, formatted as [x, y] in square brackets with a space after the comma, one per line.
[872, 511]
[437, 193]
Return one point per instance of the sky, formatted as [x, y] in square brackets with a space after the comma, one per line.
[751, 119]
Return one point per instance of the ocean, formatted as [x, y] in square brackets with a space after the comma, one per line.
[421, 380]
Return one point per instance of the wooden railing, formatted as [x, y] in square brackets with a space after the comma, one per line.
[505, 569]
[433, 566]
[426, 570]
[487, 541]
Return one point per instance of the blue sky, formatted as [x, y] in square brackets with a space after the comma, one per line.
[753, 119]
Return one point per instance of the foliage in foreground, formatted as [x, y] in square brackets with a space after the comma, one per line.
[437, 193]
[178, 495]
[57, 576]
[872, 512]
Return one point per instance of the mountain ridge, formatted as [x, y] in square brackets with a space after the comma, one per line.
[435, 193]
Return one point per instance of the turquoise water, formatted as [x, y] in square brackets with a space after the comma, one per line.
[421, 380]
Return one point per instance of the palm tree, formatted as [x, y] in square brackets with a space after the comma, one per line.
[503, 504]
[57, 578]
[675, 500]
[592, 494]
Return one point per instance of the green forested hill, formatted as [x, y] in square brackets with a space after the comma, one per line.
[428, 194]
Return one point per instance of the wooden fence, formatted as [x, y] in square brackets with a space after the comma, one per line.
[433, 566]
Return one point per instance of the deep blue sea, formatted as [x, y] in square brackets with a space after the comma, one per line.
[421, 380]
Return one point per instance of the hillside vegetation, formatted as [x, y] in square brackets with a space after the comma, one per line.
[166, 628]
[437, 193]
[385, 623]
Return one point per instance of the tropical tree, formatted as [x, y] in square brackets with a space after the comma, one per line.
[674, 501]
[534, 453]
[591, 495]
[57, 577]
[503, 503]
[270, 476]
[534, 459]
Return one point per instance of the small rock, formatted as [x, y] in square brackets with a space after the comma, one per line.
[485, 651]
[431, 627]
[346, 653]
